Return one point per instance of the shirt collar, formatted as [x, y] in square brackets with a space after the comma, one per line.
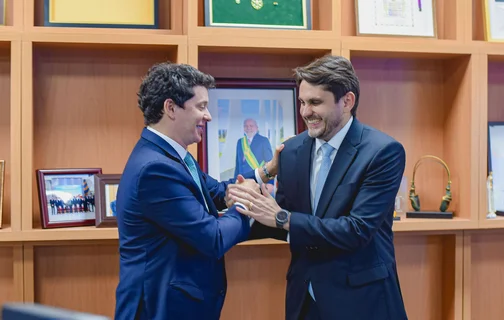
[180, 150]
[337, 139]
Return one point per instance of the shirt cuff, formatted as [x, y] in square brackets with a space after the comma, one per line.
[258, 177]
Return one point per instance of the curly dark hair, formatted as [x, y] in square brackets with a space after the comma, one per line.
[168, 80]
[334, 73]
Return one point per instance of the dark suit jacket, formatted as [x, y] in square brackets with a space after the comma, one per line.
[171, 248]
[346, 250]
[260, 147]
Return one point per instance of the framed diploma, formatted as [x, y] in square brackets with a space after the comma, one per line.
[279, 14]
[493, 11]
[412, 18]
[138, 14]
[496, 163]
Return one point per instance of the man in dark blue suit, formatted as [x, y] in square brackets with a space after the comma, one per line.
[171, 239]
[337, 184]
[252, 150]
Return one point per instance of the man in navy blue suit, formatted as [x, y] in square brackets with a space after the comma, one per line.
[337, 184]
[171, 239]
[252, 150]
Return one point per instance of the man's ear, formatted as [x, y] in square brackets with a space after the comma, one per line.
[169, 108]
[349, 101]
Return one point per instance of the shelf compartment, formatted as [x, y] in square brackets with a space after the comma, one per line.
[170, 14]
[5, 134]
[484, 274]
[493, 95]
[83, 112]
[446, 20]
[425, 103]
[323, 12]
[429, 267]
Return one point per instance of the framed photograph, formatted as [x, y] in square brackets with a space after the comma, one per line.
[250, 118]
[281, 14]
[2, 186]
[496, 163]
[67, 197]
[2, 12]
[493, 11]
[106, 192]
[137, 14]
[410, 18]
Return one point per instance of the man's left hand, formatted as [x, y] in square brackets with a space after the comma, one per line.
[261, 207]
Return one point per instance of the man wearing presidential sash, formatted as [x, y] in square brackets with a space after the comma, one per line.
[252, 150]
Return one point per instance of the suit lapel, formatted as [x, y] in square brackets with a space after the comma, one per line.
[344, 158]
[172, 154]
[304, 154]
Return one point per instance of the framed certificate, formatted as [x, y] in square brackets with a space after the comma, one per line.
[101, 14]
[413, 18]
[279, 14]
[493, 11]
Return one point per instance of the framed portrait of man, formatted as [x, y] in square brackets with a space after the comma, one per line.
[250, 118]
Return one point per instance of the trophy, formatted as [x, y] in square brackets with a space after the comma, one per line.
[490, 198]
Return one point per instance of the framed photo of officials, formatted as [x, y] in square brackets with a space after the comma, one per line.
[67, 197]
[106, 192]
[250, 118]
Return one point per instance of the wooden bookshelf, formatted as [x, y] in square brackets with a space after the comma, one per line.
[68, 100]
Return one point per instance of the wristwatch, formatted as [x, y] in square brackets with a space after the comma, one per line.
[281, 218]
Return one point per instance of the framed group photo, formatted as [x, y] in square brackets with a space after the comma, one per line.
[250, 118]
[67, 196]
[406, 18]
[106, 186]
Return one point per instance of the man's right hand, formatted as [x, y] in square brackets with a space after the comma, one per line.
[249, 183]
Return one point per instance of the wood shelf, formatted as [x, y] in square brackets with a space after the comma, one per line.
[61, 85]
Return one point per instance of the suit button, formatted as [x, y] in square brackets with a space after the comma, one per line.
[222, 293]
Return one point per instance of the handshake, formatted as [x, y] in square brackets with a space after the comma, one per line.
[260, 204]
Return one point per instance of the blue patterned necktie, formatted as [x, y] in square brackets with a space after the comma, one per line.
[322, 174]
[194, 173]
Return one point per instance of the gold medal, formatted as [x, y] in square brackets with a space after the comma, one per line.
[257, 4]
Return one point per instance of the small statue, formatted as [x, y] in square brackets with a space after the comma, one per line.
[490, 198]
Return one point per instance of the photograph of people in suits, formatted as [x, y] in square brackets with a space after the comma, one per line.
[253, 150]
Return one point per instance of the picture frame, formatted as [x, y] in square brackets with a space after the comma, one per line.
[268, 107]
[396, 18]
[3, 12]
[106, 192]
[67, 196]
[135, 14]
[297, 14]
[496, 163]
[493, 17]
[2, 187]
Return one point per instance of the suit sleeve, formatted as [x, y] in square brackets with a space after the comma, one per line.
[372, 204]
[168, 201]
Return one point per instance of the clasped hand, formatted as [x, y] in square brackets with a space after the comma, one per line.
[260, 207]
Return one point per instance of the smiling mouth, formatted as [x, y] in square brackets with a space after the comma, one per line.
[313, 122]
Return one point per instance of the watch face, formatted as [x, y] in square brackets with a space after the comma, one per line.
[282, 215]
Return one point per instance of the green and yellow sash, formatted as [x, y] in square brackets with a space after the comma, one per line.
[249, 155]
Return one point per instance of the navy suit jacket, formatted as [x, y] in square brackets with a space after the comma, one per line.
[171, 248]
[260, 147]
[346, 249]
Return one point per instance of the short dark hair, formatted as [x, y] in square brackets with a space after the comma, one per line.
[168, 80]
[334, 73]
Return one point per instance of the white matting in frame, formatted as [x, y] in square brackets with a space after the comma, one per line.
[414, 18]
[273, 109]
[493, 11]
